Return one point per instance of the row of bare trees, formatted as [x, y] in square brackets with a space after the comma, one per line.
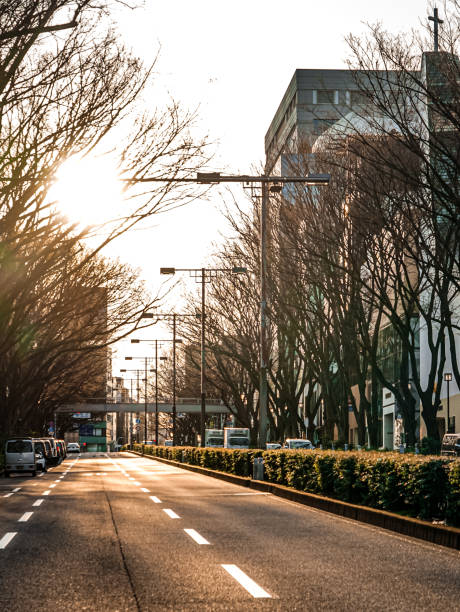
[68, 87]
[364, 275]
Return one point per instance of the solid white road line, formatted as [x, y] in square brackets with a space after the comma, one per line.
[155, 499]
[38, 502]
[25, 517]
[7, 539]
[196, 536]
[251, 587]
[145, 490]
[16, 490]
[171, 513]
[46, 492]
[8, 495]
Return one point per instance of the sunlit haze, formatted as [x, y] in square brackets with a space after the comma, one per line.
[87, 190]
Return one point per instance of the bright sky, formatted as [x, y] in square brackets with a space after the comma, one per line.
[234, 60]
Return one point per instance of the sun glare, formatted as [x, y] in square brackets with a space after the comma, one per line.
[88, 191]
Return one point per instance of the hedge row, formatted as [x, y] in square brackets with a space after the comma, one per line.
[419, 486]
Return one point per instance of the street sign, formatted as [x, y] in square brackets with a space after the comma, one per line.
[81, 415]
[138, 421]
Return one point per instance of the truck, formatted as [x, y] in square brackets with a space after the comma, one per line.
[214, 438]
[236, 437]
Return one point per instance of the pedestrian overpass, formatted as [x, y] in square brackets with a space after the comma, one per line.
[183, 405]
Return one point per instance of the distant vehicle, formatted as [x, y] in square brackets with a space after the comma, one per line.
[20, 456]
[298, 443]
[450, 446]
[214, 438]
[272, 446]
[236, 437]
[168, 443]
[73, 447]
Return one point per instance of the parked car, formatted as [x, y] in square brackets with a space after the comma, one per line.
[20, 456]
[73, 447]
[54, 452]
[298, 443]
[40, 454]
[64, 447]
[60, 445]
[272, 446]
[451, 445]
[45, 447]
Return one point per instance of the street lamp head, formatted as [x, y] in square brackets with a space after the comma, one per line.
[122, 370]
[239, 270]
[164, 358]
[135, 341]
[167, 270]
[448, 376]
[147, 315]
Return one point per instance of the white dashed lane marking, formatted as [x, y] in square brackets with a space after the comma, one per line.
[145, 490]
[171, 513]
[16, 490]
[251, 587]
[38, 502]
[155, 499]
[46, 492]
[9, 494]
[25, 517]
[7, 539]
[196, 536]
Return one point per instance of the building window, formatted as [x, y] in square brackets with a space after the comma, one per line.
[98, 432]
[327, 96]
[321, 125]
[359, 98]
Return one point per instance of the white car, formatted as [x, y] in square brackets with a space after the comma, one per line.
[298, 443]
[272, 446]
[73, 447]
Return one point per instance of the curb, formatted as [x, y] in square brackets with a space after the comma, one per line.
[412, 527]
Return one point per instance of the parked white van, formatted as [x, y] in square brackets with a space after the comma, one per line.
[20, 456]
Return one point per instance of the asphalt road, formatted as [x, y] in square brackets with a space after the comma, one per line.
[124, 533]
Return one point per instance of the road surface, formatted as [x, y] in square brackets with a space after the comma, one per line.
[124, 533]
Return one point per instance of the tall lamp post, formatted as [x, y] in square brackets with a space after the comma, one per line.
[448, 378]
[203, 276]
[174, 316]
[137, 390]
[137, 341]
[210, 178]
[146, 359]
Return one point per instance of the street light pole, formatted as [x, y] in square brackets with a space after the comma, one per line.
[448, 378]
[263, 385]
[213, 178]
[204, 275]
[203, 358]
[145, 402]
[174, 415]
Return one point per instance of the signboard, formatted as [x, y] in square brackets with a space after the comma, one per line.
[81, 415]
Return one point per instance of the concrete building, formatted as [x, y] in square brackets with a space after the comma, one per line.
[314, 102]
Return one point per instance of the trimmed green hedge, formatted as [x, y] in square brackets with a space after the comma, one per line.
[426, 487]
